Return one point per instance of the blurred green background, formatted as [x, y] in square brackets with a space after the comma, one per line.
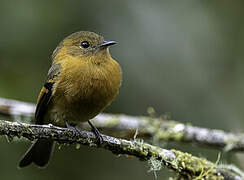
[182, 57]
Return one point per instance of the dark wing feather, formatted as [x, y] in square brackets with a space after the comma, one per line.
[46, 93]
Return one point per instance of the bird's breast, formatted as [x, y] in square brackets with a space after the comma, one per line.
[85, 89]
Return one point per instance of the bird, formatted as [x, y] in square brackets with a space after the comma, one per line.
[82, 81]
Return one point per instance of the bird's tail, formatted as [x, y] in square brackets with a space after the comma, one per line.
[39, 153]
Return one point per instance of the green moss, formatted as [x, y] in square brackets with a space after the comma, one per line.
[77, 146]
[91, 142]
[135, 146]
[173, 131]
[163, 129]
[59, 146]
[151, 112]
[195, 168]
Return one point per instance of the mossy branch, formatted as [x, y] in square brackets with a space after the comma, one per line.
[184, 164]
[158, 128]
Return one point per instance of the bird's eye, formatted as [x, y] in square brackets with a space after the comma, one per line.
[84, 44]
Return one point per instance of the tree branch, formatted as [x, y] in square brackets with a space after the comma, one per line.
[125, 126]
[186, 165]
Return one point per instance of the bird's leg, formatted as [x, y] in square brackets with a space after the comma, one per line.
[73, 128]
[96, 132]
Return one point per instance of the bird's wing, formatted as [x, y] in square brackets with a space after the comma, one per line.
[46, 93]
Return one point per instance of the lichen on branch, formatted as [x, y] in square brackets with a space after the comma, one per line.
[184, 164]
[124, 126]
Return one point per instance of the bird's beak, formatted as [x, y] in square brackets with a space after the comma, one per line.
[108, 43]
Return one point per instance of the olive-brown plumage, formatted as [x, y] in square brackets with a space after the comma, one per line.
[81, 82]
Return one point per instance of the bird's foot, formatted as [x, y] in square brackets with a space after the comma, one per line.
[97, 133]
[73, 128]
